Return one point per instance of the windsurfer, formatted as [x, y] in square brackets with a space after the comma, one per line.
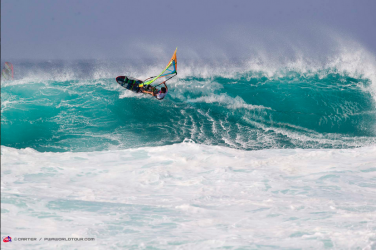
[157, 94]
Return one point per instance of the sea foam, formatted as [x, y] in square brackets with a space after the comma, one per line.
[191, 196]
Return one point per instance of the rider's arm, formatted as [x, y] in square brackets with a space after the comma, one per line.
[165, 86]
[149, 92]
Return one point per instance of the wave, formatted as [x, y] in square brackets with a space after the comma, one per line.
[269, 100]
[245, 110]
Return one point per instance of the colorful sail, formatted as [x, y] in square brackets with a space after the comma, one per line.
[7, 72]
[170, 70]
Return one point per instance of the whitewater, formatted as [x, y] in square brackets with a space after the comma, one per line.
[241, 154]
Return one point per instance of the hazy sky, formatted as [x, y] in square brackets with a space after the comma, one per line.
[97, 29]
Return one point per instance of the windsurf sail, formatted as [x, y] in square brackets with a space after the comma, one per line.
[7, 72]
[170, 70]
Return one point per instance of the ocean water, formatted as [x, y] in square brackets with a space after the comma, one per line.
[239, 155]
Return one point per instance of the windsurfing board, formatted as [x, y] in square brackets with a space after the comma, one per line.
[129, 83]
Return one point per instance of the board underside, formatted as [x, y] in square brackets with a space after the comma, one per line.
[129, 83]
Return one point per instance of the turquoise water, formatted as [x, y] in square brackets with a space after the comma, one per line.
[245, 110]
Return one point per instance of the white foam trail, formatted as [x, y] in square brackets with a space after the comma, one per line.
[191, 196]
[330, 139]
[232, 103]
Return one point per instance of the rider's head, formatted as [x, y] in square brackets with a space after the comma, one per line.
[163, 90]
